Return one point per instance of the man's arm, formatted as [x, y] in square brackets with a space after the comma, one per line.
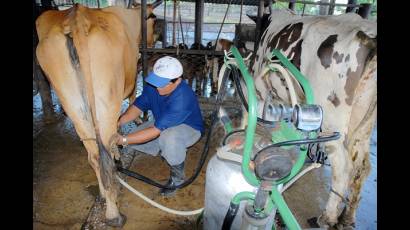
[131, 114]
[141, 136]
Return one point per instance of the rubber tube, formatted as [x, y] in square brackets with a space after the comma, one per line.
[155, 204]
[230, 216]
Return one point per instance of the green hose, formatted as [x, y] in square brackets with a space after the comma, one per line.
[243, 196]
[250, 196]
[276, 197]
[284, 211]
[250, 129]
[309, 100]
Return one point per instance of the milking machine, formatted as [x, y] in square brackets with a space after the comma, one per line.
[258, 163]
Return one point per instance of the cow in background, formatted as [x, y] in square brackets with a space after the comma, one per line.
[338, 55]
[40, 83]
[214, 64]
[90, 58]
[194, 66]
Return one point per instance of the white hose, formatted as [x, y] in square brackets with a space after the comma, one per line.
[155, 204]
[198, 211]
[310, 167]
[229, 61]
[287, 77]
[297, 87]
[222, 72]
[224, 153]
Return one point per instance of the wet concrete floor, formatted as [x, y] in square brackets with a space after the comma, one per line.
[65, 186]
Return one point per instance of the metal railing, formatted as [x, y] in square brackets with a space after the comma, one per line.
[363, 9]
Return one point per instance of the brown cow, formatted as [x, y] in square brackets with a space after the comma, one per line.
[194, 66]
[214, 64]
[90, 58]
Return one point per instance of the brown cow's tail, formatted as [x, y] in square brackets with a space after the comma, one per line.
[107, 166]
[76, 28]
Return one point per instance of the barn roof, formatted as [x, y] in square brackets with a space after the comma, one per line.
[236, 2]
[94, 2]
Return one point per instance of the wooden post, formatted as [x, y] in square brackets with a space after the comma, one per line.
[199, 20]
[364, 10]
[240, 16]
[144, 37]
[292, 4]
[349, 8]
[180, 22]
[332, 7]
[261, 10]
[324, 7]
[46, 4]
[238, 27]
[173, 24]
[269, 2]
[144, 47]
[165, 28]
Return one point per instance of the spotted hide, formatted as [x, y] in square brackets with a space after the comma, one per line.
[337, 54]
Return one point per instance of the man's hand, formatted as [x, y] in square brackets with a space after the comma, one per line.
[120, 139]
[113, 142]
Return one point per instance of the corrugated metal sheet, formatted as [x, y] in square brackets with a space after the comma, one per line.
[89, 3]
[236, 2]
[105, 2]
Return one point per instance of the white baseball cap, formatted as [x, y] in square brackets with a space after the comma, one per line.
[165, 69]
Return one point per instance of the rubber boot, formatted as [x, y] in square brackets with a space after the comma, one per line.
[176, 178]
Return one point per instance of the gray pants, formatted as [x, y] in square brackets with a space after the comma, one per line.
[172, 142]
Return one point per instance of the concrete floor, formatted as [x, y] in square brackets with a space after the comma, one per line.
[65, 186]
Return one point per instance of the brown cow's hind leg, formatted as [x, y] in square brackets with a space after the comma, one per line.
[93, 159]
[111, 187]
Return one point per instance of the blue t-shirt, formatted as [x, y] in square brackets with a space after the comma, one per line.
[179, 107]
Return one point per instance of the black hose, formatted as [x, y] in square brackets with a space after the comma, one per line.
[205, 151]
[230, 216]
[238, 87]
[334, 136]
[230, 134]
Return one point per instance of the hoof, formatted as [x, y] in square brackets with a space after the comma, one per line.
[323, 222]
[343, 226]
[117, 222]
[100, 199]
[313, 222]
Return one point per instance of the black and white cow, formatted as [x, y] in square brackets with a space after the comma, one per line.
[338, 56]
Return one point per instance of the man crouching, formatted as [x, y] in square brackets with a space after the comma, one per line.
[177, 123]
